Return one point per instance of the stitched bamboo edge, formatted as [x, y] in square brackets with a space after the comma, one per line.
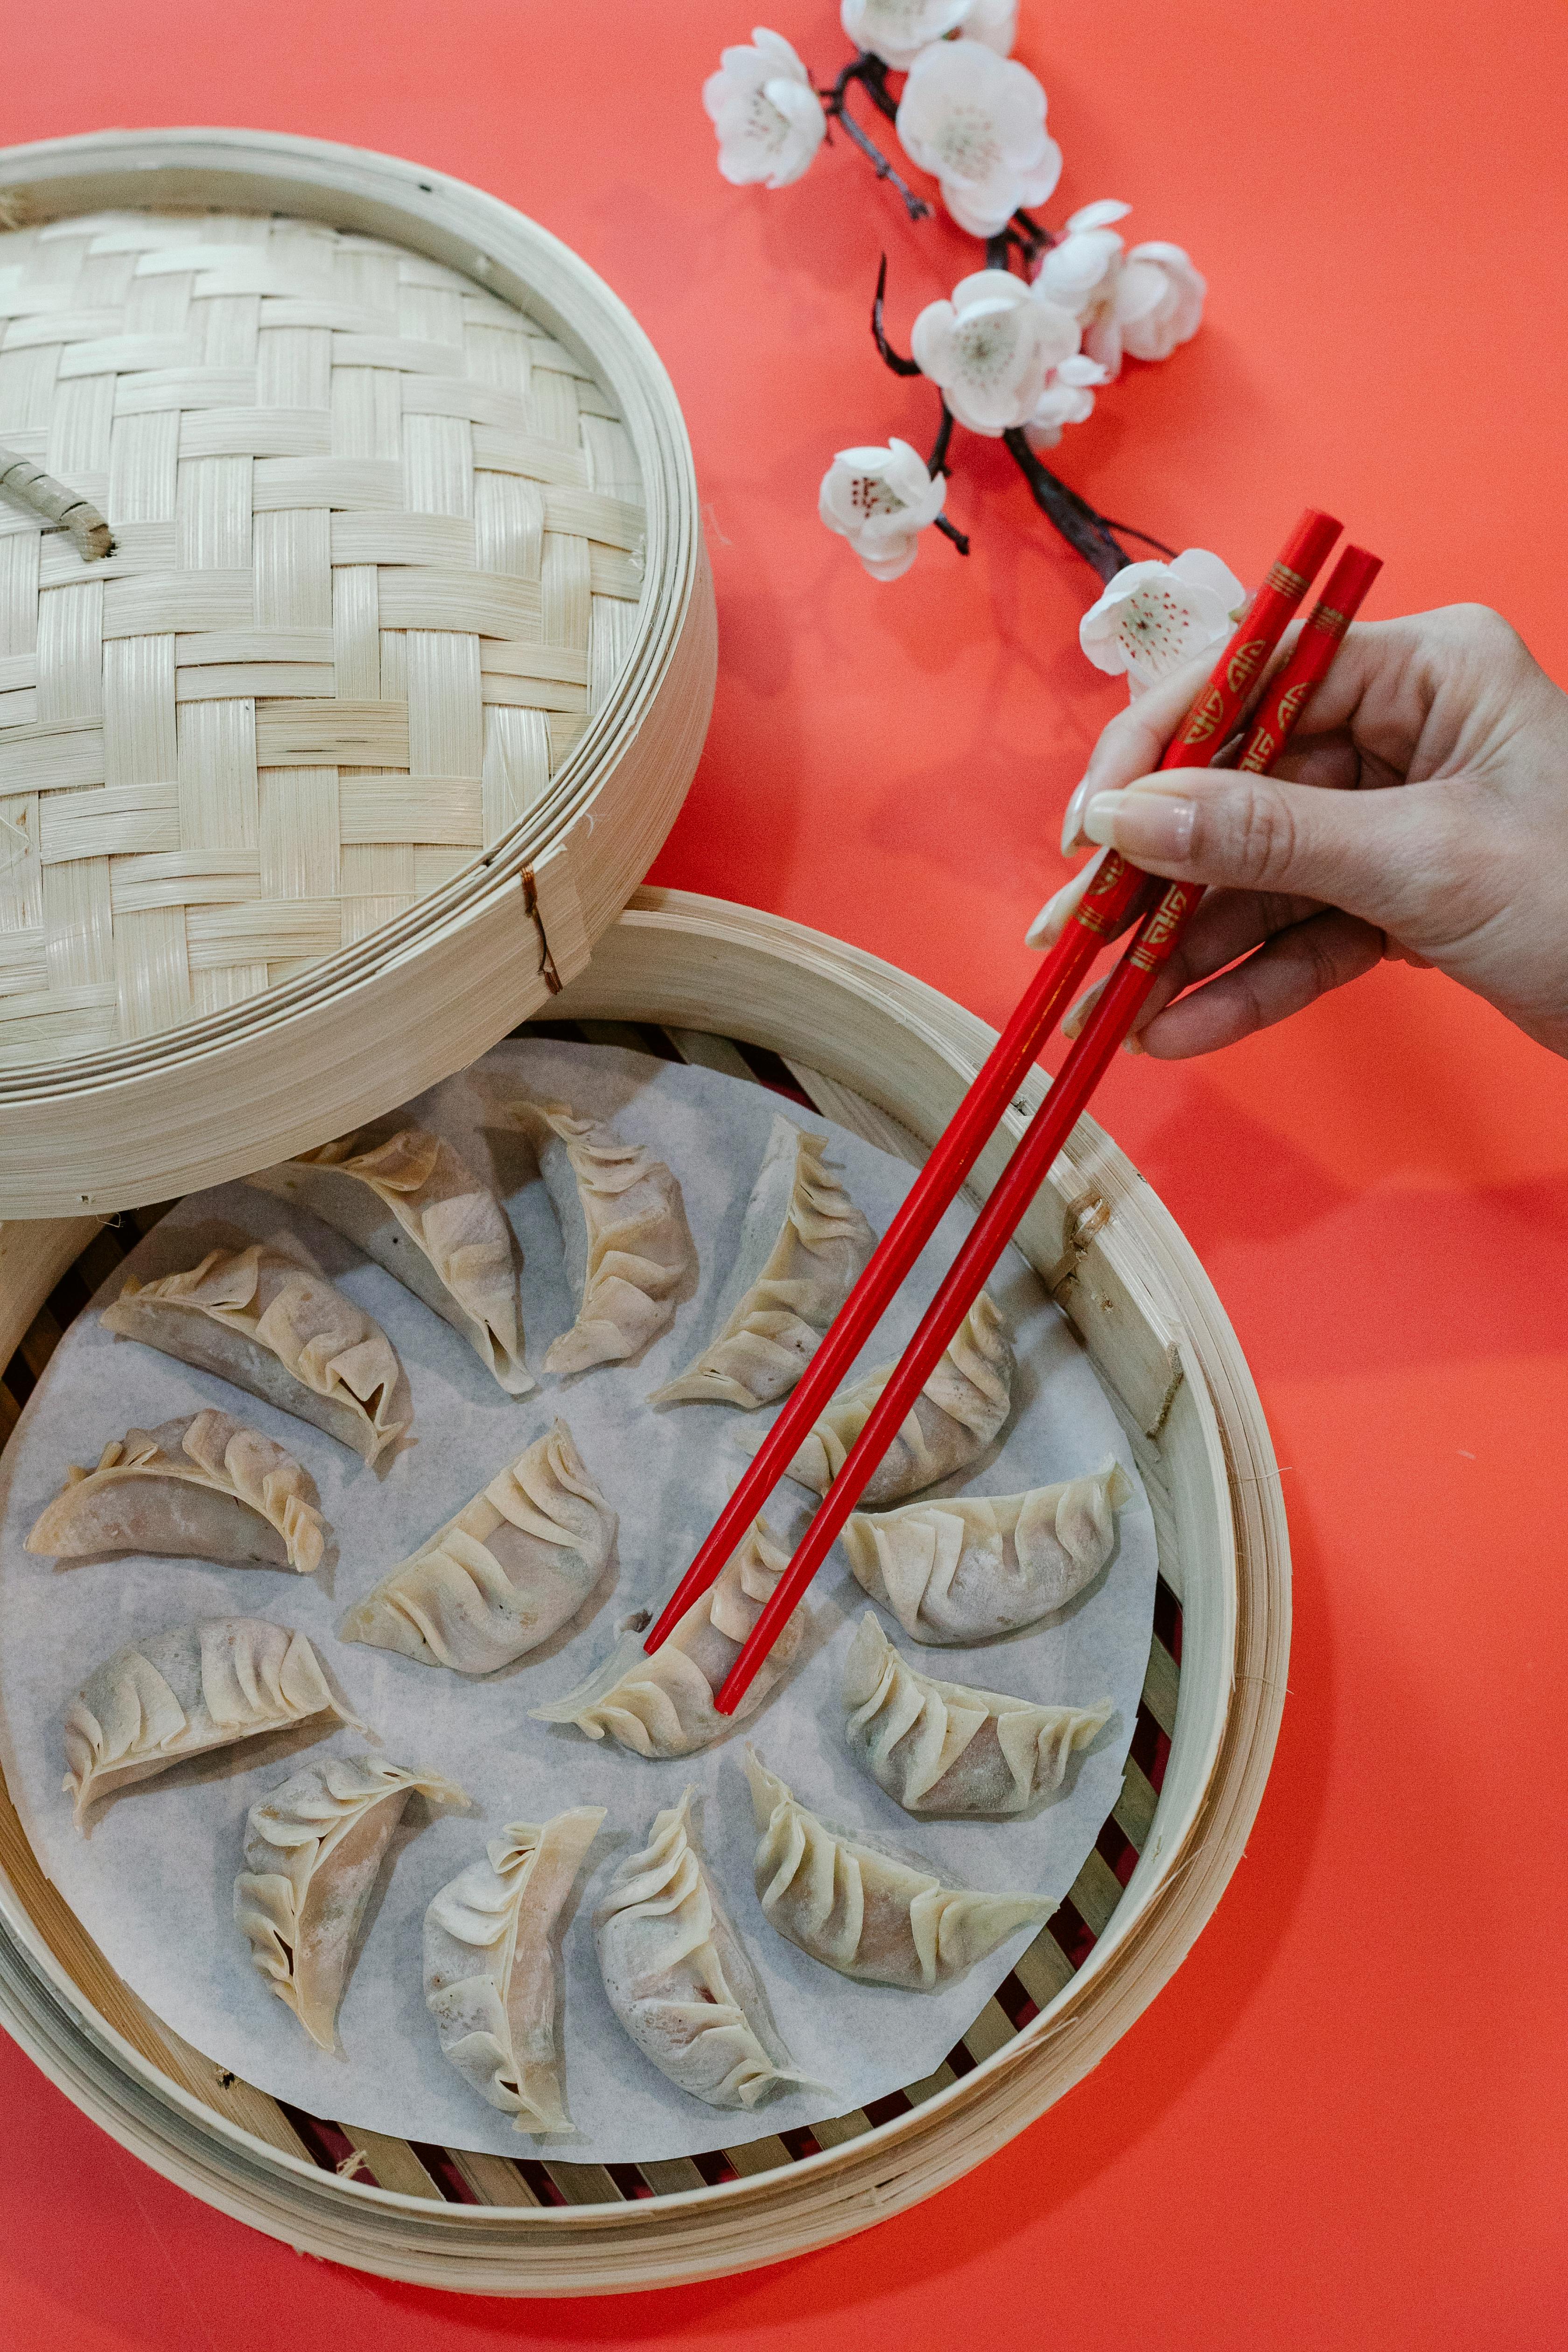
[1162, 1342]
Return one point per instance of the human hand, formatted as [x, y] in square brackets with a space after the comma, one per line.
[1322, 867]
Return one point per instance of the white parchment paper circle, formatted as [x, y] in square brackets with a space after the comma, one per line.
[153, 1884]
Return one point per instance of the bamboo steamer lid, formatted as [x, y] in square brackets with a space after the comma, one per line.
[393, 680]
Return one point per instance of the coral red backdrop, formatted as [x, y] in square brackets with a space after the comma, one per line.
[1342, 2123]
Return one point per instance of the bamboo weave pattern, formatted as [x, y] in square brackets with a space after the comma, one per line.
[378, 549]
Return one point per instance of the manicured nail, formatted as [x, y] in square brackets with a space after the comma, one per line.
[1132, 1042]
[1080, 1012]
[1055, 915]
[1072, 820]
[1156, 826]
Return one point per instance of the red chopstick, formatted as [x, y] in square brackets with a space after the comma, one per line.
[1104, 1031]
[1110, 897]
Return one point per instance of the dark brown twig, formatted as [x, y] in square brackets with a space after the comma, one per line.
[1077, 520]
[891, 358]
[835, 105]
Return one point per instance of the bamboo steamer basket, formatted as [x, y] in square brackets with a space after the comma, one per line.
[890, 1058]
[392, 685]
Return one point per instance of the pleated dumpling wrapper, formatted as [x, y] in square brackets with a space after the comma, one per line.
[944, 1748]
[187, 1689]
[679, 1977]
[415, 1205]
[866, 1912]
[201, 1487]
[661, 1703]
[955, 1419]
[313, 1851]
[624, 1230]
[281, 1330]
[804, 1245]
[489, 1964]
[498, 1580]
[970, 1568]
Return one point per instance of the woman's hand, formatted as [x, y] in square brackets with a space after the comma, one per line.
[1421, 812]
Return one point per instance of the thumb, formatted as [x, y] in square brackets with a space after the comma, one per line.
[1390, 855]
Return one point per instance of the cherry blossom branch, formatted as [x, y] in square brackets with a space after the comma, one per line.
[937, 464]
[891, 358]
[1028, 238]
[1129, 531]
[1084, 530]
[835, 105]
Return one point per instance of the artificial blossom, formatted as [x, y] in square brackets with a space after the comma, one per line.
[881, 500]
[1153, 617]
[1021, 347]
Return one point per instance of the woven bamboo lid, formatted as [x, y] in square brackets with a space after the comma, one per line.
[403, 565]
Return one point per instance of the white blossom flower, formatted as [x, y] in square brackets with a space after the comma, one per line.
[994, 22]
[881, 500]
[991, 349]
[977, 122]
[1160, 300]
[1067, 399]
[898, 30]
[1155, 616]
[766, 116]
[1082, 272]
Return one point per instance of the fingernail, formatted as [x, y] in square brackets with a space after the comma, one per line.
[1078, 1014]
[1054, 916]
[1072, 819]
[1132, 1044]
[1157, 826]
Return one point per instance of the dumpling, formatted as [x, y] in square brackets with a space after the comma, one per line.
[178, 1693]
[662, 1703]
[944, 1748]
[803, 1247]
[204, 1488]
[489, 1969]
[623, 1226]
[412, 1203]
[313, 1851]
[867, 1913]
[970, 1568]
[955, 1416]
[275, 1328]
[515, 1563]
[679, 1977]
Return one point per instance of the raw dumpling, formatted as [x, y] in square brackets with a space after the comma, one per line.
[623, 1226]
[944, 1748]
[955, 1416]
[312, 1852]
[277, 1329]
[498, 1580]
[178, 1693]
[865, 1912]
[204, 1488]
[679, 1977]
[973, 1567]
[662, 1704]
[489, 1969]
[803, 1247]
[419, 1209]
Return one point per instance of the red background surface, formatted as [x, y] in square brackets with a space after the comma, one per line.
[1343, 2123]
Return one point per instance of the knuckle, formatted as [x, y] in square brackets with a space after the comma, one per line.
[1249, 834]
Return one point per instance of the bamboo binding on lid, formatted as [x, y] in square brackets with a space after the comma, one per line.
[395, 673]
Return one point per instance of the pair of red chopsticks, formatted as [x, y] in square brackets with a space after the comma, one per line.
[1118, 892]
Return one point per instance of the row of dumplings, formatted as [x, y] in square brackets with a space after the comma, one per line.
[675, 1971]
[521, 1558]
